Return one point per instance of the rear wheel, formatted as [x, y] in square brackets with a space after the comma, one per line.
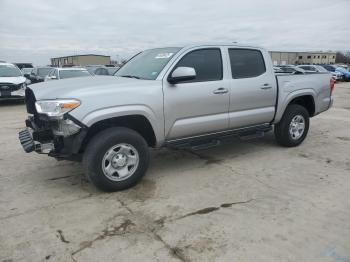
[116, 159]
[293, 127]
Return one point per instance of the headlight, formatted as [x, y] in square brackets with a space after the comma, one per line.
[56, 108]
[24, 85]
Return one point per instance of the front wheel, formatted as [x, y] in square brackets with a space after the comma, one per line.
[293, 127]
[116, 159]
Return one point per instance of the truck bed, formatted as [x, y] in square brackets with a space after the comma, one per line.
[316, 85]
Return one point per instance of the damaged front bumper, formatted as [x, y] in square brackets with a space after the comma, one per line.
[60, 138]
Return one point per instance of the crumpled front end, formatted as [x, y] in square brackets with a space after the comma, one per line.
[58, 137]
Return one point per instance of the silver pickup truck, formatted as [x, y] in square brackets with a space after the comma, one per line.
[190, 96]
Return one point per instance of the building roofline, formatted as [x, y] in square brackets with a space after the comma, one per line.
[79, 55]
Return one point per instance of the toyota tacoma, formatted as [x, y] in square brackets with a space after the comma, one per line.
[190, 96]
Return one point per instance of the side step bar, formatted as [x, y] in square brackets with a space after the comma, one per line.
[213, 140]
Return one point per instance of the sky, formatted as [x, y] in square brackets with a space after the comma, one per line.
[35, 31]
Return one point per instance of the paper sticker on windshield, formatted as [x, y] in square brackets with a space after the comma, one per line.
[164, 55]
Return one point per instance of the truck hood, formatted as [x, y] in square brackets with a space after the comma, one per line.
[77, 87]
[13, 80]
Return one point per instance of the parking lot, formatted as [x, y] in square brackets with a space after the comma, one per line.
[243, 201]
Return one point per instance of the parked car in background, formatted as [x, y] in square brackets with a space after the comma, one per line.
[26, 73]
[92, 68]
[101, 71]
[67, 72]
[312, 68]
[107, 71]
[186, 97]
[24, 65]
[291, 69]
[38, 74]
[320, 69]
[277, 69]
[12, 82]
[330, 68]
[337, 76]
[346, 73]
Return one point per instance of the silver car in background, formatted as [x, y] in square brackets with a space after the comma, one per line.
[320, 69]
[69, 72]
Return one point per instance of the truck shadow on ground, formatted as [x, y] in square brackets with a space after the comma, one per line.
[168, 161]
[229, 149]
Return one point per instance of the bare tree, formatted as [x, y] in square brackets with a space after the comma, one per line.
[343, 57]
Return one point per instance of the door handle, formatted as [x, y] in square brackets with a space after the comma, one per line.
[266, 86]
[220, 90]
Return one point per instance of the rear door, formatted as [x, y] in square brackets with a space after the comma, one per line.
[198, 106]
[253, 88]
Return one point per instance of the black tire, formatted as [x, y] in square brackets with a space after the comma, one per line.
[100, 144]
[282, 134]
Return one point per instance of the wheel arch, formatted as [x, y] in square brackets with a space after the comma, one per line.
[305, 98]
[137, 122]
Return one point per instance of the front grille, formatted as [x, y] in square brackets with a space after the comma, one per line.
[9, 87]
[30, 101]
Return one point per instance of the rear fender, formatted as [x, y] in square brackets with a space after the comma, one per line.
[283, 102]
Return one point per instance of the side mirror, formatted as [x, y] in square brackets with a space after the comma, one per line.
[26, 75]
[53, 77]
[181, 74]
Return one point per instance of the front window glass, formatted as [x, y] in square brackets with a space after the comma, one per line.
[73, 73]
[9, 71]
[147, 64]
[206, 62]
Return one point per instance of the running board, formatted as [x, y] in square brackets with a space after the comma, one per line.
[213, 140]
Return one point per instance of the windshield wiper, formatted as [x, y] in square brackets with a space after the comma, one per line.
[130, 76]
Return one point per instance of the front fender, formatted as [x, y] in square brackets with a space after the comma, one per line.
[126, 110]
[284, 101]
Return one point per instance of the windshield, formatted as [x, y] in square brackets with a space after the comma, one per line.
[9, 71]
[44, 71]
[147, 64]
[343, 70]
[73, 73]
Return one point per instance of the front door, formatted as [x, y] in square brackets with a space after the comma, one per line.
[198, 106]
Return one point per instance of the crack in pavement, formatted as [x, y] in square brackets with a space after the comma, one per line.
[125, 206]
[176, 252]
[151, 227]
[107, 232]
[61, 236]
[61, 177]
[208, 210]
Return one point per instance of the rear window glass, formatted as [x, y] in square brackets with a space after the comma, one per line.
[246, 63]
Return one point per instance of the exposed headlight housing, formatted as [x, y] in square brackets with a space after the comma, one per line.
[56, 108]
